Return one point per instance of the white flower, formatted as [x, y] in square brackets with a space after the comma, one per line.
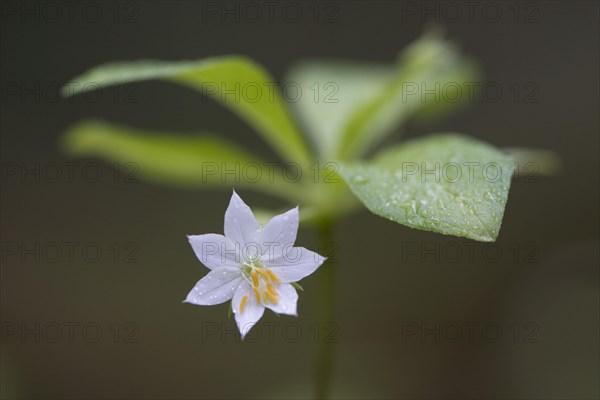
[251, 265]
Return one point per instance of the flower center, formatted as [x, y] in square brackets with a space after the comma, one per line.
[263, 281]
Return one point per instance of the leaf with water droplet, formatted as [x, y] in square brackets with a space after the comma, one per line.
[446, 183]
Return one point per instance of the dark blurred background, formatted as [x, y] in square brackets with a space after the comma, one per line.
[402, 294]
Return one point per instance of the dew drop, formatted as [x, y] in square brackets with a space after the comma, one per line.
[360, 179]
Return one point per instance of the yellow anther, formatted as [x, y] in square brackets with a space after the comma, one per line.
[254, 278]
[270, 287]
[263, 273]
[272, 296]
[243, 303]
[257, 294]
[273, 277]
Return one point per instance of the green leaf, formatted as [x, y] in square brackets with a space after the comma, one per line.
[332, 93]
[297, 286]
[374, 100]
[196, 160]
[428, 65]
[306, 214]
[238, 82]
[446, 183]
[534, 162]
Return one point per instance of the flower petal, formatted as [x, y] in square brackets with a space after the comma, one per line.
[295, 263]
[288, 297]
[246, 316]
[215, 251]
[280, 231]
[216, 287]
[241, 227]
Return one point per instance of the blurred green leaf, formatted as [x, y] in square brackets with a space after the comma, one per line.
[374, 100]
[533, 162]
[176, 159]
[306, 214]
[426, 67]
[446, 183]
[238, 82]
[332, 93]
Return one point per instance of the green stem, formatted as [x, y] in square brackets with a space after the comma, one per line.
[325, 311]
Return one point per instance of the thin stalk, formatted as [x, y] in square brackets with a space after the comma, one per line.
[325, 311]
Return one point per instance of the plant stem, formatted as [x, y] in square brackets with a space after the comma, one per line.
[325, 311]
